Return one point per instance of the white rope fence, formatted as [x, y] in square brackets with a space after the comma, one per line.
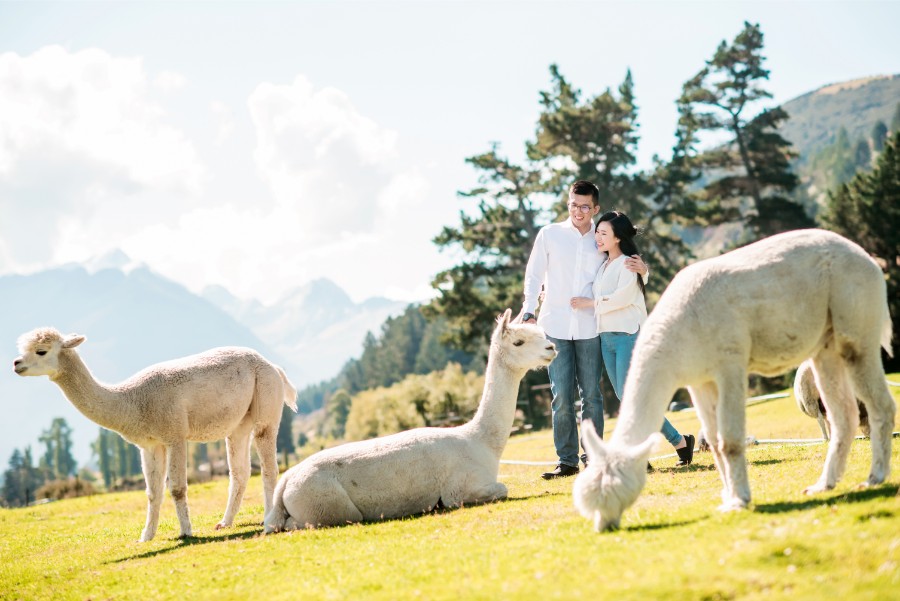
[751, 441]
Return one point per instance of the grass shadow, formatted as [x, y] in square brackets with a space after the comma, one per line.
[853, 496]
[660, 526]
[190, 541]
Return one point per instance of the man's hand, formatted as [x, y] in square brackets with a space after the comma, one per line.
[521, 317]
[636, 264]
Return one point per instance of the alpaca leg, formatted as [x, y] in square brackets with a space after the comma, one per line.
[823, 425]
[843, 418]
[237, 445]
[178, 484]
[731, 421]
[705, 398]
[321, 501]
[268, 459]
[153, 464]
[495, 491]
[867, 378]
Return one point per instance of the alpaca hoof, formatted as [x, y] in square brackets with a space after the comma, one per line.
[816, 488]
[732, 505]
[221, 525]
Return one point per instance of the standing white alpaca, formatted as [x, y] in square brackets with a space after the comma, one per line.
[763, 308]
[413, 472]
[227, 393]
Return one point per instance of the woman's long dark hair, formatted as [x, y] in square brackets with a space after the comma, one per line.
[625, 231]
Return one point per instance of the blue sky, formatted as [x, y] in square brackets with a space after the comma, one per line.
[259, 145]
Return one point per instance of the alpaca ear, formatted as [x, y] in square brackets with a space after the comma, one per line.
[593, 444]
[643, 450]
[73, 340]
[503, 319]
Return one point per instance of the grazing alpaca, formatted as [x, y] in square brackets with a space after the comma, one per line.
[763, 308]
[222, 393]
[806, 393]
[415, 471]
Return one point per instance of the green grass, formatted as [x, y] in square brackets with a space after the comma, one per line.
[674, 543]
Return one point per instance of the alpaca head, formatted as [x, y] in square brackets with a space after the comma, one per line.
[612, 480]
[521, 345]
[40, 351]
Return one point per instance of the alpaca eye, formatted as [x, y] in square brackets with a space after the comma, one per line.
[41, 353]
[518, 343]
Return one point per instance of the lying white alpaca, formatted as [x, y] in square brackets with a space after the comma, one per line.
[417, 470]
[809, 401]
[222, 393]
[762, 308]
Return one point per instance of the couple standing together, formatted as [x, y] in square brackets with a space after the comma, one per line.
[593, 306]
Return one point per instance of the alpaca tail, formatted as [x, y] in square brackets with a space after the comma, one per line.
[290, 393]
[277, 515]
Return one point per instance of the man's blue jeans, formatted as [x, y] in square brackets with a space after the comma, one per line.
[577, 364]
[617, 348]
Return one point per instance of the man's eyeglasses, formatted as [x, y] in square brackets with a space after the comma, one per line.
[582, 208]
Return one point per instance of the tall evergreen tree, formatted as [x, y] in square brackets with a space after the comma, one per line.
[879, 135]
[58, 460]
[750, 175]
[21, 479]
[867, 211]
[863, 155]
[496, 242]
[285, 439]
[337, 408]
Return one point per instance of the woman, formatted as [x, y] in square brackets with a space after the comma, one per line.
[620, 309]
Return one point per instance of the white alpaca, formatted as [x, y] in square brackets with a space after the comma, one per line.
[227, 393]
[762, 308]
[809, 401]
[417, 470]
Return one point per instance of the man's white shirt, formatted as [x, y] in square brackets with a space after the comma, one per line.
[565, 262]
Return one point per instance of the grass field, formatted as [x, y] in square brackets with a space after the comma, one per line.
[674, 544]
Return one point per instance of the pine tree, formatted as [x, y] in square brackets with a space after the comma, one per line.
[285, 439]
[750, 176]
[21, 479]
[58, 460]
[879, 135]
[867, 211]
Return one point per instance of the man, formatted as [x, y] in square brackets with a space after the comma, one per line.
[565, 261]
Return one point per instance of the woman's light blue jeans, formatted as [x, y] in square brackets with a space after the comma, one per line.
[617, 348]
[576, 365]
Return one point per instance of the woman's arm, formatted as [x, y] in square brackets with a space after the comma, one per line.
[622, 296]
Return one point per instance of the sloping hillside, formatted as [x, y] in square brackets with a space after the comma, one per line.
[857, 105]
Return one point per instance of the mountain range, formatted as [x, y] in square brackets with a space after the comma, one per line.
[133, 317]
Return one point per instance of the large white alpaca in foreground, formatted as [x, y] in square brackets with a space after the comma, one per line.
[227, 393]
[417, 470]
[763, 308]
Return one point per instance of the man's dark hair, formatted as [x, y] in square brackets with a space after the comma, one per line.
[585, 188]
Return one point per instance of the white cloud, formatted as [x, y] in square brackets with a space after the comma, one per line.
[85, 152]
[169, 81]
[224, 118]
[318, 154]
[90, 160]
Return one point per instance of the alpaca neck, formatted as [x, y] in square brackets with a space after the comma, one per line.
[497, 408]
[97, 402]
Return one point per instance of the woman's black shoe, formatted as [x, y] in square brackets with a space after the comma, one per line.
[686, 453]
